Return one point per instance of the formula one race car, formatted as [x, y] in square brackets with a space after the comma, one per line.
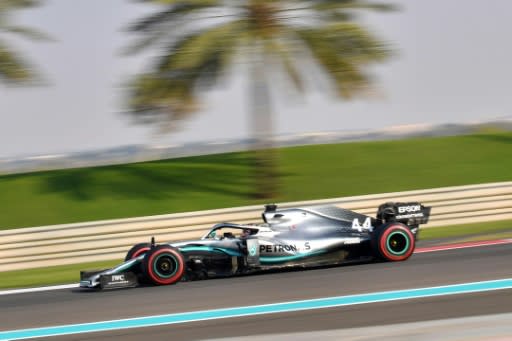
[290, 237]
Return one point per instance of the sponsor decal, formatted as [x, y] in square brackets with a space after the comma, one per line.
[413, 215]
[278, 248]
[118, 278]
[117, 282]
[409, 209]
[252, 250]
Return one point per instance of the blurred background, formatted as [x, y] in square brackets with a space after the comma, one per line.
[87, 83]
[152, 113]
[447, 63]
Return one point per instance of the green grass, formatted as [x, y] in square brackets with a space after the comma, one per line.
[218, 181]
[485, 230]
[492, 236]
[62, 274]
[70, 273]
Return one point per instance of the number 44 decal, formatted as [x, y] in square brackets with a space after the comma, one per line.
[367, 225]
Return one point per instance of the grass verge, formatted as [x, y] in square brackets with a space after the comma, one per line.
[225, 180]
[70, 273]
[52, 275]
[466, 230]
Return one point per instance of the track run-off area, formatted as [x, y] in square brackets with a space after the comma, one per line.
[437, 282]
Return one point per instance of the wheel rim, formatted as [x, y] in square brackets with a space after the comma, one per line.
[165, 265]
[397, 243]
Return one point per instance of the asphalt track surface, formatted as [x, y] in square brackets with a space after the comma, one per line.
[422, 270]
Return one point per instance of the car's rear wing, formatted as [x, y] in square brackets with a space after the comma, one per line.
[408, 213]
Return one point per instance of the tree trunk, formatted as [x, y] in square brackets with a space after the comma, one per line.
[264, 156]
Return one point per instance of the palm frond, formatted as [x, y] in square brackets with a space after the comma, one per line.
[177, 2]
[343, 50]
[286, 55]
[144, 42]
[155, 99]
[171, 91]
[336, 5]
[197, 59]
[27, 32]
[176, 10]
[13, 69]
[197, 49]
[18, 4]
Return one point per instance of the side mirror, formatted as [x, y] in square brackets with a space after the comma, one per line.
[270, 208]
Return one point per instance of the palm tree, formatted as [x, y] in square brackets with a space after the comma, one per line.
[13, 68]
[201, 39]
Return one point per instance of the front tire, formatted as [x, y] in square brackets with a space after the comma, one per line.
[394, 242]
[163, 265]
[137, 250]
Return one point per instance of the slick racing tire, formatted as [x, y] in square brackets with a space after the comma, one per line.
[163, 265]
[394, 242]
[137, 250]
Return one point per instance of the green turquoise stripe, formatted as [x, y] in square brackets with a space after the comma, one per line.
[406, 245]
[210, 249]
[162, 275]
[263, 259]
[279, 259]
[329, 302]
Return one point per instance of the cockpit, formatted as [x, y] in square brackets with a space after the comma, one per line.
[220, 232]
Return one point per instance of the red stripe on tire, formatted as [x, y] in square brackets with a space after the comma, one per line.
[138, 252]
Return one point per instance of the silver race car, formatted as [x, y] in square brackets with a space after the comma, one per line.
[289, 237]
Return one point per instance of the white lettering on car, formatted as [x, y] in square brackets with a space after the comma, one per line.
[367, 225]
[409, 209]
[118, 278]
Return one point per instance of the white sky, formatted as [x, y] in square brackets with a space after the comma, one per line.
[453, 65]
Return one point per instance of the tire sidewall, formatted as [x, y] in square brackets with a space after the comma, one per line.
[137, 250]
[382, 239]
[153, 255]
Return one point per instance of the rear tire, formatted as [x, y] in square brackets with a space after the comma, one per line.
[137, 250]
[163, 265]
[393, 242]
